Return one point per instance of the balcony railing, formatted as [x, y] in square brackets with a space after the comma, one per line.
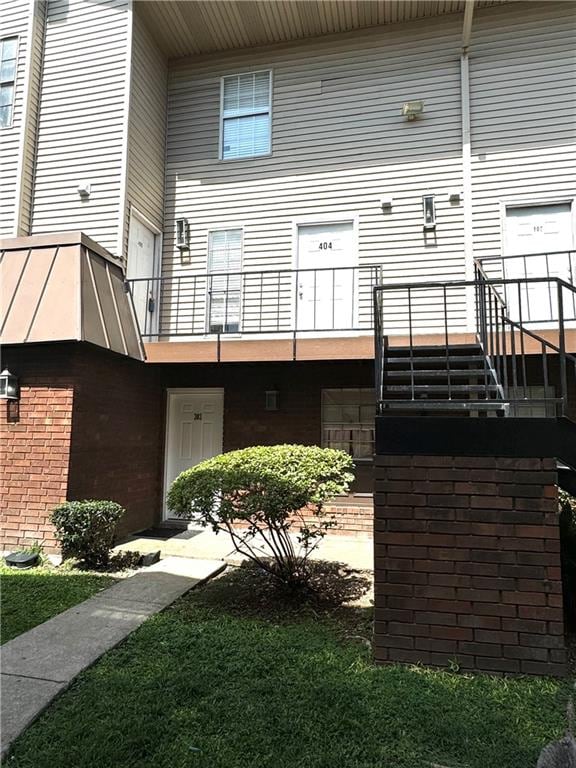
[278, 302]
[537, 302]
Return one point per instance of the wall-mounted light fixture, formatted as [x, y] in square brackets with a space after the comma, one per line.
[9, 389]
[386, 204]
[182, 234]
[454, 195]
[272, 401]
[429, 210]
[412, 110]
[84, 189]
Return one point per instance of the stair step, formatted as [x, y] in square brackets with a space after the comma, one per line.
[443, 405]
[468, 373]
[463, 388]
[436, 350]
[417, 359]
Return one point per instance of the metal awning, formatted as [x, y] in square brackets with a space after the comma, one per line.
[65, 287]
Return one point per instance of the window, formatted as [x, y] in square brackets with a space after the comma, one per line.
[348, 418]
[8, 54]
[246, 121]
[224, 280]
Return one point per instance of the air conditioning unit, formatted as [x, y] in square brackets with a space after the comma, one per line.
[182, 234]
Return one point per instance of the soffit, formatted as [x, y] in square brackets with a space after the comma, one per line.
[194, 27]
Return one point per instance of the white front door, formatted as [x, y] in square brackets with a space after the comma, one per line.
[142, 268]
[326, 278]
[539, 238]
[195, 422]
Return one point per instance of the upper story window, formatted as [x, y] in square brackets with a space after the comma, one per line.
[8, 55]
[246, 115]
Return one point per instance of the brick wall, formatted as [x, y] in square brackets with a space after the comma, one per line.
[34, 452]
[467, 563]
[117, 444]
[90, 426]
[351, 519]
[300, 385]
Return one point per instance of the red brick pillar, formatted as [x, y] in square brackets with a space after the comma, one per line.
[467, 563]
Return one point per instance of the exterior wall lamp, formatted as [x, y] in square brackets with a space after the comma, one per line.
[182, 234]
[9, 388]
[412, 110]
[429, 211]
[272, 401]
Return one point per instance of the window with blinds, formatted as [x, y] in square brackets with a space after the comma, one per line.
[246, 118]
[8, 55]
[348, 421]
[224, 280]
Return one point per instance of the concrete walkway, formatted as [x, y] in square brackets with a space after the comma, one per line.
[356, 552]
[39, 664]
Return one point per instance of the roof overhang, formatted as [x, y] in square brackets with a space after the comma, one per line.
[197, 27]
[65, 287]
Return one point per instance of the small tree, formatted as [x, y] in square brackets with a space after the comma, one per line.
[85, 529]
[270, 490]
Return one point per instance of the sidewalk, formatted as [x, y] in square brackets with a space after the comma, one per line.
[39, 664]
[356, 552]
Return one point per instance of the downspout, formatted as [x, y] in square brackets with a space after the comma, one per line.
[467, 160]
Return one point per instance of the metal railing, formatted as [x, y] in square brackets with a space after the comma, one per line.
[280, 302]
[540, 308]
[516, 357]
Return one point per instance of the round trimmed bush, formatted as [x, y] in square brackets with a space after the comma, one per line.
[85, 529]
[266, 488]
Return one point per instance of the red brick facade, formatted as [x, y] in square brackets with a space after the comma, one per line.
[34, 452]
[467, 563]
[90, 425]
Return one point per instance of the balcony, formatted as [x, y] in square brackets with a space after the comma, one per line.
[287, 309]
[328, 313]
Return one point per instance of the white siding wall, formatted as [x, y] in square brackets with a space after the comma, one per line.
[13, 21]
[523, 108]
[146, 128]
[340, 144]
[82, 119]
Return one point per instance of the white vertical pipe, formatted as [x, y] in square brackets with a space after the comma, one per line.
[467, 183]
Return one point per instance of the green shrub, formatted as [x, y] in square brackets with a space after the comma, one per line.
[85, 529]
[266, 488]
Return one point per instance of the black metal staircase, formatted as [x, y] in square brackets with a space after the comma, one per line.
[429, 364]
[428, 380]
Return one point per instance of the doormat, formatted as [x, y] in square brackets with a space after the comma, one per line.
[168, 533]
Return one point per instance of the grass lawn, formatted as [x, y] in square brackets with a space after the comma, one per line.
[229, 677]
[30, 597]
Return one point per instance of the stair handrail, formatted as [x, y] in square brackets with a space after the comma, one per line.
[485, 281]
[496, 332]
